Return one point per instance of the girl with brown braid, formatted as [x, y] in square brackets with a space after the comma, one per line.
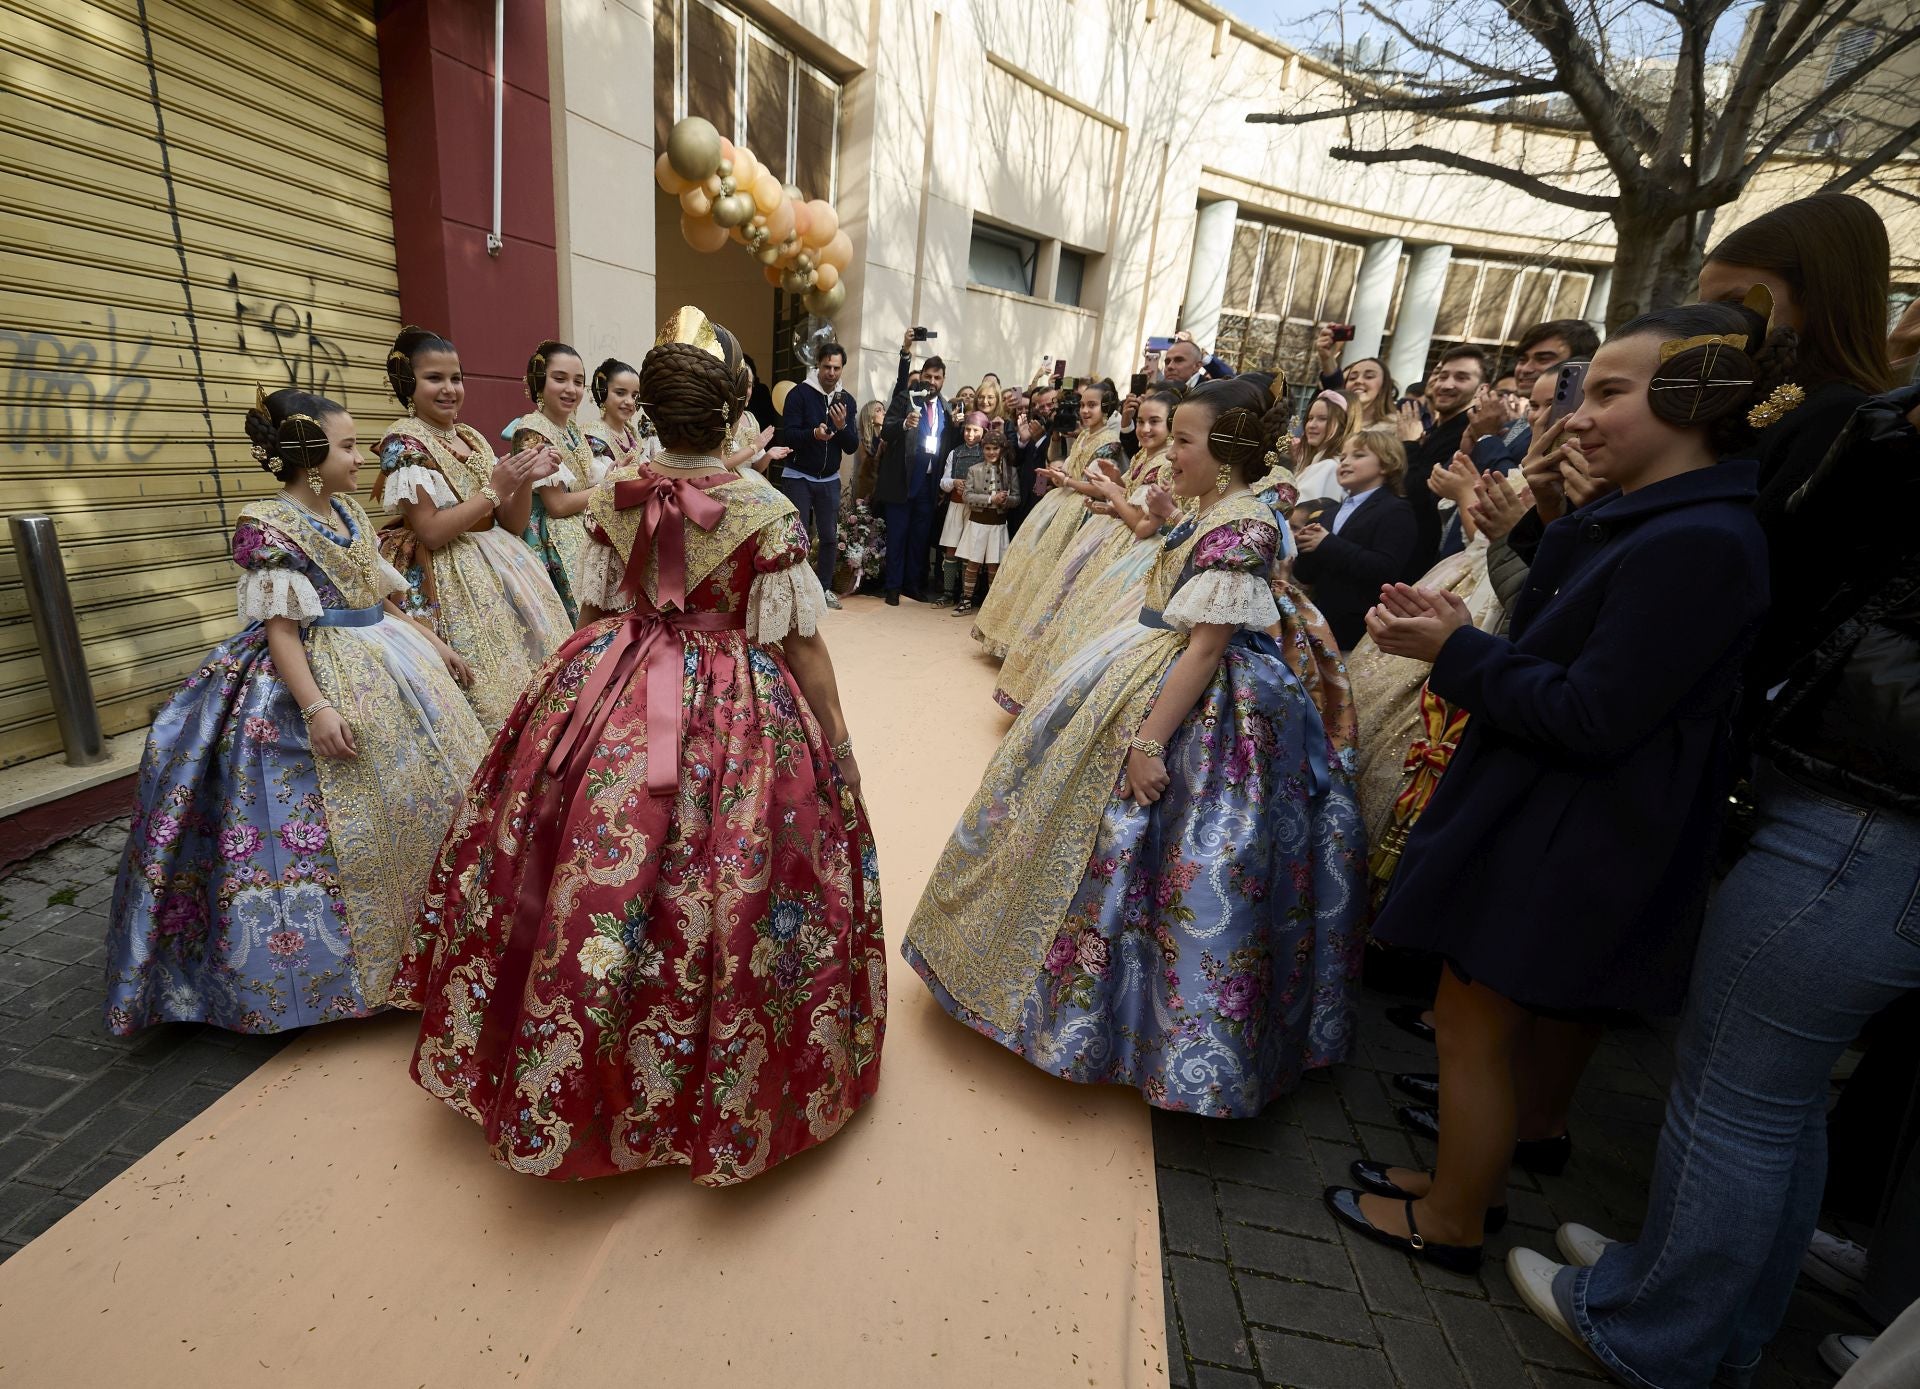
[556, 384]
[458, 512]
[1158, 883]
[679, 961]
[622, 434]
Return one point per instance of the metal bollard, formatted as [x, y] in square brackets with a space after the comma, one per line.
[36, 548]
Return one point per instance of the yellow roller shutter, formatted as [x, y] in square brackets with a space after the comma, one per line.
[193, 200]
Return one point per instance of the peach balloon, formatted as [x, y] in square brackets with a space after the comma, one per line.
[766, 193]
[669, 181]
[802, 219]
[702, 235]
[823, 223]
[838, 252]
[825, 276]
[780, 221]
[695, 202]
[773, 274]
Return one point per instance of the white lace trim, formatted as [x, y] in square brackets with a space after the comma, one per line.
[785, 602]
[391, 579]
[598, 469]
[266, 593]
[405, 485]
[1226, 597]
[561, 477]
[600, 575]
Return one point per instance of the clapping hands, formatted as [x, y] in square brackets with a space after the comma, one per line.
[1415, 622]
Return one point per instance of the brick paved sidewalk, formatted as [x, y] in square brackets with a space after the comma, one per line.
[78, 1106]
[1263, 1288]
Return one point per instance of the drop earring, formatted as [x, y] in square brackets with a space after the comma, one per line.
[1222, 477]
[314, 484]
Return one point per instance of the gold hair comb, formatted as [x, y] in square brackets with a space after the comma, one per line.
[1673, 347]
[1784, 397]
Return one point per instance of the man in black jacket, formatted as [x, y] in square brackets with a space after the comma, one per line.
[818, 426]
[1450, 390]
[916, 437]
[1033, 439]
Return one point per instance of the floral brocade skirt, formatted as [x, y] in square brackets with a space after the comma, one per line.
[1202, 950]
[614, 980]
[1026, 569]
[263, 887]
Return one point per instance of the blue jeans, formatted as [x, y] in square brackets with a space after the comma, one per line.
[909, 533]
[818, 500]
[1814, 931]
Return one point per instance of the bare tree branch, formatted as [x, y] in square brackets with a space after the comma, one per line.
[1436, 50]
[1620, 130]
[1466, 163]
[1880, 185]
[1864, 167]
[1442, 102]
[1799, 121]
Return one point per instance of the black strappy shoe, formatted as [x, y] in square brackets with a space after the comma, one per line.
[1406, 1017]
[1546, 1156]
[1344, 1203]
[1372, 1177]
[1424, 1086]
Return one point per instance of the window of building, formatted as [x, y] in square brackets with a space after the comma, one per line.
[1492, 302]
[1854, 48]
[1072, 279]
[711, 60]
[1281, 282]
[1002, 259]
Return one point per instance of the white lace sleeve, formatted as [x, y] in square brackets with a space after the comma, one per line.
[600, 576]
[405, 484]
[391, 579]
[266, 593]
[561, 477]
[1223, 596]
[783, 602]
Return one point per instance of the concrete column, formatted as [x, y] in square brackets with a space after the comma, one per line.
[1372, 298]
[1207, 271]
[1419, 307]
[1599, 293]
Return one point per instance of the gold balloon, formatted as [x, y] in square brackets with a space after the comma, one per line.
[826, 302]
[733, 210]
[669, 181]
[694, 149]
[793, 282]
[695, 202]
[823, 223]
[766, 193]
[702, 234]
[780, 392]
[825, 276]
[768, 254]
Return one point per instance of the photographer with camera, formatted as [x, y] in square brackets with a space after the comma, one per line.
[916, 438]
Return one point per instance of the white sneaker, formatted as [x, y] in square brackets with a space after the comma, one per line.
[1532, 1276]
[1840, 1352]
[1838, 1265]
[833, 601]
[1581, 1246]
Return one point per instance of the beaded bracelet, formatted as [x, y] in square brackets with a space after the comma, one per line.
[306, 714]
[842, 749]
[1149, 747]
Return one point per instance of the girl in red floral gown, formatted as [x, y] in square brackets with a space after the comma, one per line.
[653, 935]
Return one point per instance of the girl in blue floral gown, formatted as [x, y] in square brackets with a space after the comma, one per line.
[1158, 883]
[294, 793]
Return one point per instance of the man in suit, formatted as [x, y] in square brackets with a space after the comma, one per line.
[1451, 391]
[916, 435]
[1032, 442]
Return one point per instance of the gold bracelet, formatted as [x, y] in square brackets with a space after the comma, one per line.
[842, 749]
[1149, 747]
[487, 491]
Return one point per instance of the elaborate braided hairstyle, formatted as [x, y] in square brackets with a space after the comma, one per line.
[1109, 393]
[537, 366]
[286, 432]
[407, 349]
[1240, 435]
[1720, 370]
[692, 396]
[603, 376]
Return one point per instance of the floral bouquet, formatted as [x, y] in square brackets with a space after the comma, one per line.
[863, 547]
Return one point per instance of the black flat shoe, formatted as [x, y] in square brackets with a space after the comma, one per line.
[893, 600]
[1344, 1203]
[1406, 1017]
[1547, 1157]
[1424, 1086]
[1372, 1177]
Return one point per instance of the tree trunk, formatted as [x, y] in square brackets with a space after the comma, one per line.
[1655, 264]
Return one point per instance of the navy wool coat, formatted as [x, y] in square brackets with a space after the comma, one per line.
[1563, 860]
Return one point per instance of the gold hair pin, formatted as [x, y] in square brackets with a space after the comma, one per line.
[1770, 411]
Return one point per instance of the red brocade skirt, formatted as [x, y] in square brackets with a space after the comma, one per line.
[613, 979]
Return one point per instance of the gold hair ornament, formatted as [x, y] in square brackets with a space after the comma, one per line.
[1784, 397]
[261, 454]
[1673, 347]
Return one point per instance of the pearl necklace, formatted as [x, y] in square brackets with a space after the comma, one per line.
[450, 436]
[687, 462]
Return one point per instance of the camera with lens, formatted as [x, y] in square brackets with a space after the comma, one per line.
[1066, 411]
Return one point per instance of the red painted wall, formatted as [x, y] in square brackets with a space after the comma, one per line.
[436, 80]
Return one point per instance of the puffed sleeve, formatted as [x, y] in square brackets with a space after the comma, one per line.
[392, 581]
[407, 473]
[272, 585]
[785, 598]
[1229, 584]
[601, 574]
